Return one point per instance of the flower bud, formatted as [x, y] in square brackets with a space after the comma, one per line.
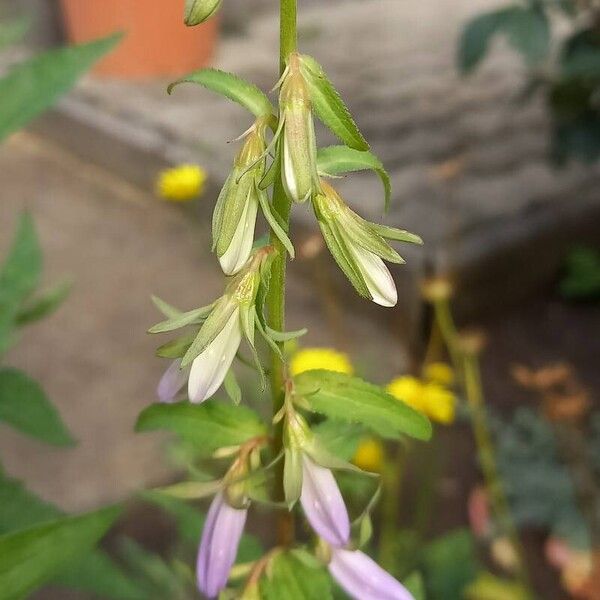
[234, 218]
[298, 143]
[198, 11]
[359, 246]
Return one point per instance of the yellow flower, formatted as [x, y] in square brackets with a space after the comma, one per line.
[440, 403]
[369, 455]
[432, 399]
[308, 359]
[439, 372]
[181, 184]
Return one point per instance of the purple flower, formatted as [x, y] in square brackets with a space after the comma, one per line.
[363, 579]
[172, 382]
[323, 504]
[218, 548]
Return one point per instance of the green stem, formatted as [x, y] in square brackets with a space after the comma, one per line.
[276, 294]
[485, 451]
[392, 487]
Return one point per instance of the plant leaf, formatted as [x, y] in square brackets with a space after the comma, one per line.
[44, 305]
[232, 387]
[336, 160]
[24, 405]
[192, 317]
[339, 437]
[210, 425]
[33, 86]
[273, 223]
[231, 86]
[31, 557]
[329, 106]
[475, 39]
[353, 400]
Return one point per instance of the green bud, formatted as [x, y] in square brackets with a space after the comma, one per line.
[198, 11]
[298, 142]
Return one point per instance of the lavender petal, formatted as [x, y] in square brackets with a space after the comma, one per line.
[172, 381]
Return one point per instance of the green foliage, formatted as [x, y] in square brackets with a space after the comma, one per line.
[351, 399]
[44, 305]
[30, 558]
[450, 565]
[231, 86]
[33, 86]
[291, 578]
[19, 276]
[337, 160]
[415, 585]
[490, 587]
[581, 280]
[339, 437]
[24, 405]
[329, 106]
[209, 425]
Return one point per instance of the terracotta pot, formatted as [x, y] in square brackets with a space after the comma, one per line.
[156, 43]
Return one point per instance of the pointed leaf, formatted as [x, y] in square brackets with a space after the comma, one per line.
[232, 387]
[165, 308]
[33, 86]
[273, 223]
[178, 347]
[475, 39]
[192, 490]
[44, 305]
[398, 235]
[329, 106]
[29, 558]
[337, 160]
[24, 405]
[231, 86]
[209, 426]
[354, 400]
[285, 336]
[192, 317]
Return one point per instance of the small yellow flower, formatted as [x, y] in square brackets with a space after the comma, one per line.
[308, 359]
[181, 184]
[439, 372]
[369, 455]
[432, 399]
[440, 403]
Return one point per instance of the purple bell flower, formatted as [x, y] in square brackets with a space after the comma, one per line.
[363, 579]
[218, 548]
[323, 504]
[172, 382]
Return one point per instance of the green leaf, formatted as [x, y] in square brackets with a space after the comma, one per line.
[339, 437]
[192, 317]
[13, 31]
[293, 579]
[19, 275]
[398, 235]
[277, 229]
[329, 106]
[232, 387]
[29, 558]
[41, 307]
[475, 38]
[178, 347]
[528, 32]
[165, 308]
[210, 425]
[337, 160]
[33, 86]
[450, 565]
[414, 584]
[582, 277]
[490, 587]
[353, 400]
[24, 405]
[231, 86]
[94, 572]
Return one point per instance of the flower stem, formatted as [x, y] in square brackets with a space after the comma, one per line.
[276, 294]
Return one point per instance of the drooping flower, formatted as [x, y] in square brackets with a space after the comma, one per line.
[198, 11]
[181, 184]
[172, 382]
[219, 545]
[323, 504]
[329, 359]
[234, 217]
[369, 455]
[298, 146]
[359, 246]
[363, 579]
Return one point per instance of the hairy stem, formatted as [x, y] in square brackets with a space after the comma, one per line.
[276, 294]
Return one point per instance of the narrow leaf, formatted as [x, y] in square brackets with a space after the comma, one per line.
[337, 160]
[24, 405]
[33, 86]
[329, 106]
[231, 86]
[192, 317]
[165, 308]
[29, 558]
[274, 224]
[44, 305]
[208, 426]
[398, 235]
[354, 400]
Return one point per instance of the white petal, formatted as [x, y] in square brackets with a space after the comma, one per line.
[209, 368]
[377, 276]
[237, 254]
[172, 381]
[288, 173]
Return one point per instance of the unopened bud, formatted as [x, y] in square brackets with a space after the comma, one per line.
[198, 11]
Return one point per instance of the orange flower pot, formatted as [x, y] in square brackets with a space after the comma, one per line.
[156, 42]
